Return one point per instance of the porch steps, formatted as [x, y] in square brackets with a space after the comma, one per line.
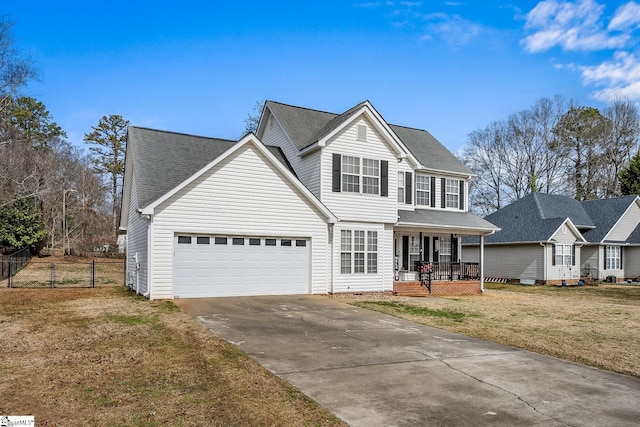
[410, 289]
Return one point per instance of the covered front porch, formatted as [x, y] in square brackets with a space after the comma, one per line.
[427, 247]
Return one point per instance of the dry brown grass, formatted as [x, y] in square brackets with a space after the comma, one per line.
[70, 271]
[103, 356]
[594, 325]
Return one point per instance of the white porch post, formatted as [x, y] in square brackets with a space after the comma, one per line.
[482, 263]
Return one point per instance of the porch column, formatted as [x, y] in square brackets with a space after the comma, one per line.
[482, 263]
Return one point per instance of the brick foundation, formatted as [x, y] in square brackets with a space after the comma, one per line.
[444, 287]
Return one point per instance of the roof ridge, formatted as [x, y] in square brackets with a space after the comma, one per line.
[183, 134]
[315, 110]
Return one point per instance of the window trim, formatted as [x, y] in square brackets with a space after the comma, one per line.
[421, 192]
[348, 186]
[359, 251]
[561, 256]
[615, 258]
[401, 188]
[452, 195]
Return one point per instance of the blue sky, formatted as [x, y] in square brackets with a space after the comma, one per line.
[198, 67]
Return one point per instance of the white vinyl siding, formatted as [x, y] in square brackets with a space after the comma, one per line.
[224, 201]
[359, 206]
[423, 190]
[524, 262]
[137, 244]
[631, 262]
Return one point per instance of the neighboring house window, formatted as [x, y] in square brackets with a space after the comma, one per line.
[370, 176]
[445, 249]
[563, 254]
[358, 251]
[351, 174]
[612, 259]
[345, 251]
[362, 133]
[453, 193]
[401, 187]
[423, 190]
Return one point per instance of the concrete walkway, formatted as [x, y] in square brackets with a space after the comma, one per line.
[376, 370]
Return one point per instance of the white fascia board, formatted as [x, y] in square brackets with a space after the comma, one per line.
[248, 139]
[370, 112]
[126, 189]
[636, 201]
[478, 231]
[426, 170]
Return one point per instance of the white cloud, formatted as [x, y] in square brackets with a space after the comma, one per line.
[572, 26]
[619, 77]
[456, 31]
[626, 17]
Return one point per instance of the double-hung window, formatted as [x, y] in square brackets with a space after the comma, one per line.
[612, 258]
[351, 174]
[445, 249]
[423, 190]
[370, 176]
[564, 254]
[358, 251]
[401, 187]
[453, 193]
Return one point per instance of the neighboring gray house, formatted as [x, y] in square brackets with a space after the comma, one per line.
[552, 239]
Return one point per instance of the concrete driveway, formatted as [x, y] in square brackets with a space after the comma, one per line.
[376, 370]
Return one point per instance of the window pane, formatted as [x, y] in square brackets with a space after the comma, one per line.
[345, 240]
[345, 263]
[238, 241]
[401, 187]
[254, 242]
[202, 240]
[351, 183]
[453, 193]
[285, 242]
[358, 262]
[372, 263]
[372, 241]
[370, 185]
[269, 242]
[358, 241]
[220, 240]
[184, 240]
[423, 187]
[301, 243]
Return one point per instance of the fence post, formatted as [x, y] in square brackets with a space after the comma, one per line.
[53, 275]
[9, 278]
[93, 273]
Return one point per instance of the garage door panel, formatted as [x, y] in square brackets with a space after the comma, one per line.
[204, 270]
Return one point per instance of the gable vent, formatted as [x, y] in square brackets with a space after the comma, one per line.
[362, 132]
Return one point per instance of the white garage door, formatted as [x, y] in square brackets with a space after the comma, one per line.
[215, 266]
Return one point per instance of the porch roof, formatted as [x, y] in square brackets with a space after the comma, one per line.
[459, 222]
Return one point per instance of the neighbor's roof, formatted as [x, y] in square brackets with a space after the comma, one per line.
[634, 237]
[445, 219]
[535, 218]
[605, 213]
[305, 127]
[163, 160]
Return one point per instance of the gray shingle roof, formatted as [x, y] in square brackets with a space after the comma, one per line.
[305, 127]
[605, 213]
[634, 237]
[163, 160]
[535, 218]
[445, 219]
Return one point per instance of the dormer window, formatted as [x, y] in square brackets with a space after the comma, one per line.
[362, 133]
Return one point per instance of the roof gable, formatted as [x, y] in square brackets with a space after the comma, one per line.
[304, 127]
[606, 213]
[270, 157]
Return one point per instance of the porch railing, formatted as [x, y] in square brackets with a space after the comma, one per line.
[455, 270]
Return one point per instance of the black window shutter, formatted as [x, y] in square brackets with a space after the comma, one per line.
[454, 249]
[553, 255]
[436, 253]
[432, 187]
[384, 178]
[461, 195]
[405, 252]
[408, 191]
[337, 160]
[443, 193]
[427, 251]
[573, 254]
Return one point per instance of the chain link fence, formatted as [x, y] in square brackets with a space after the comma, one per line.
[61, 273]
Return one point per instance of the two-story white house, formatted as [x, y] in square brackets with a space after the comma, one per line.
[315, 202]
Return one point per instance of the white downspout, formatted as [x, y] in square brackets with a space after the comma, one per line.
[331, 260]
[149, 257]
[544, 262]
